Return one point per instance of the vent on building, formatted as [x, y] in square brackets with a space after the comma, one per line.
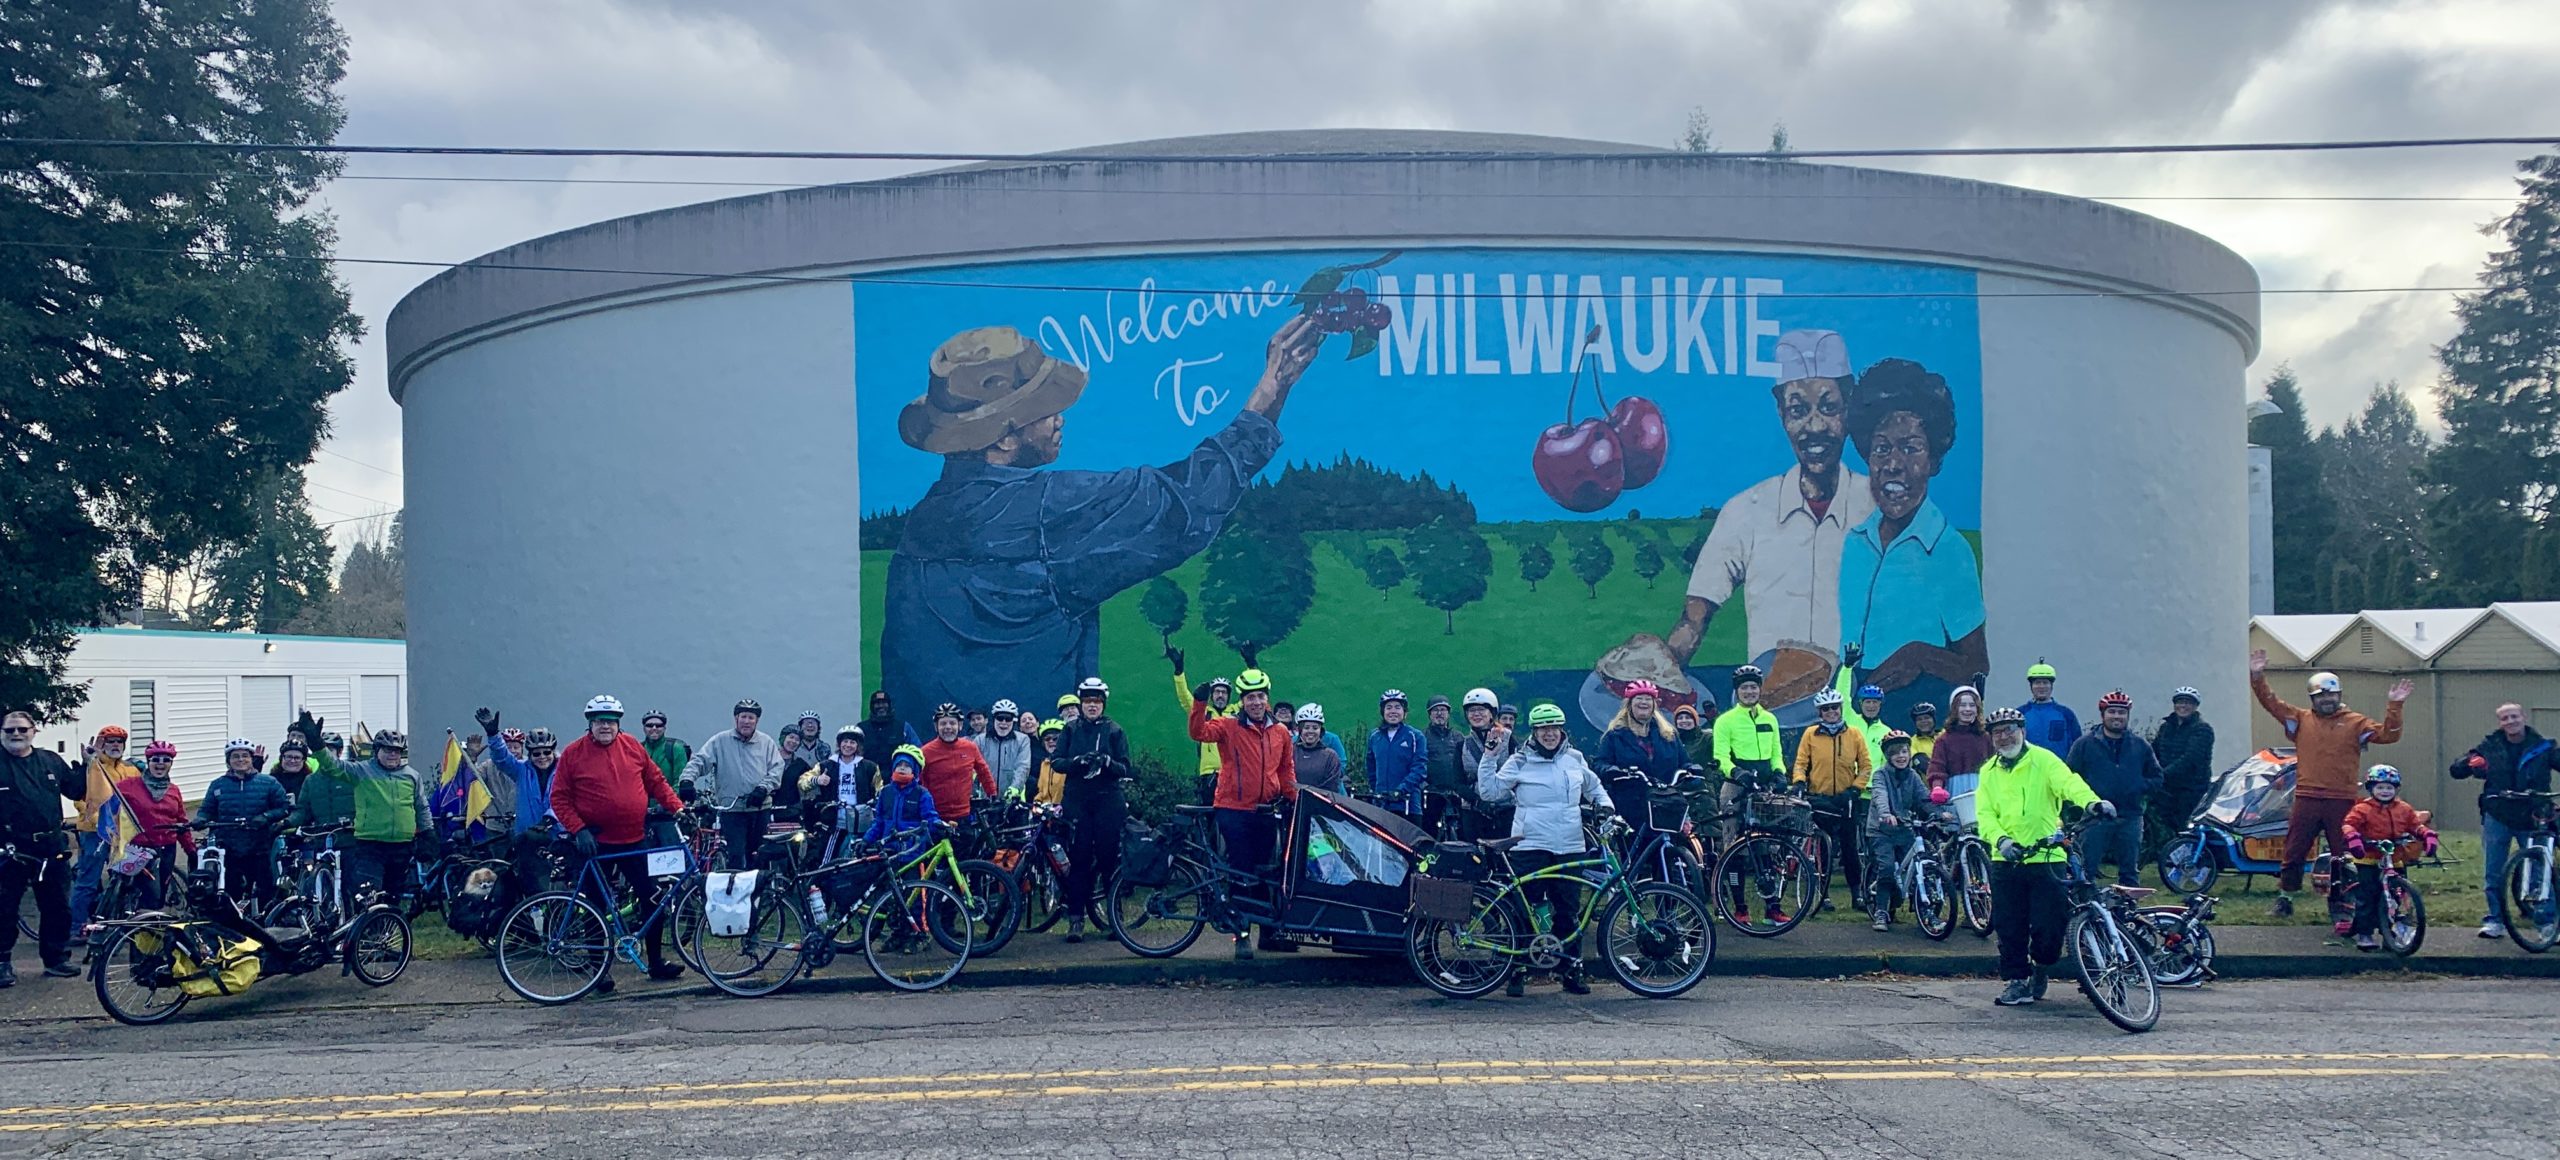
[2364, 641]
[142, 711]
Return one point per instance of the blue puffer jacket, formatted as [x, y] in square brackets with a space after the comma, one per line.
[236, 805]
[904, 818]
[2051, 724]
[1400, 766]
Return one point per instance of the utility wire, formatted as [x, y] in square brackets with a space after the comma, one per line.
[1350, 158]
[360, 463]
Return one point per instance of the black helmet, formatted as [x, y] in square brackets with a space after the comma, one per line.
[747, 705]
[947, 709]
[656, 715]
[391, 739]
[1748, 675]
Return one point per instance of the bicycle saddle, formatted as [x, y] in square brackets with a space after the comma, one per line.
[1497, 845]
[2133, 891]
[1195, 811]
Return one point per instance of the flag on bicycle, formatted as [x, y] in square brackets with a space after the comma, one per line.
[452, 790]
[117, 827]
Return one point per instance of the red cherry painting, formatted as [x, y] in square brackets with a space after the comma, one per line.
[1643, 436]
[1580, 465]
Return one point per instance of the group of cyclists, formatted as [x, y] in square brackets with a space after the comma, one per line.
[1464, 771]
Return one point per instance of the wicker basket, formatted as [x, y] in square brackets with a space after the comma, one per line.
[1770, 811]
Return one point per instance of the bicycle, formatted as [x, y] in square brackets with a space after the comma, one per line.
[556, 946]
[30, 927]
[1035, 851]
[1470, 934]
[2185, 958]
[1925, 882]
[153, 963]
[141, 875]
[1775, 860]
[317, 900]
[1161, 919]
[988, 897]
[796, 921]
[2112, 946]
[2403, 918]
[1665, 850]
[2528, 890]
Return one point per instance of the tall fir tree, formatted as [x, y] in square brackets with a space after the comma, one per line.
[2499, 400]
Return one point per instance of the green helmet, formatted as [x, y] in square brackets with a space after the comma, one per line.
[1545, 713]
[2040, 671]
[1252, 681]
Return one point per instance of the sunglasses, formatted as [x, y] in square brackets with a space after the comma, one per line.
[542, 749]
[15, 730]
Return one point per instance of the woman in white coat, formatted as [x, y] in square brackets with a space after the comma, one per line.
[1547, 783]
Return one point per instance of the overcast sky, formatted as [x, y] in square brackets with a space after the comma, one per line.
[1021, 76]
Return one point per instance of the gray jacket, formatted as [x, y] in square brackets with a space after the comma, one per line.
[1009, 758]
[726, 767]
[1901, 793]
[1547, 794]
[1474, 755]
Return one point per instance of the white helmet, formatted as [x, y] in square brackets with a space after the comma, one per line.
[604, 705]
[1311, 712]
[239, 745]
[1480, 696]
[1826, 699]
[2324, 682]
[1004, 709]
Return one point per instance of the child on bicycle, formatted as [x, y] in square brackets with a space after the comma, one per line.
[2380, 817]
[1899, 800]
[903, 816]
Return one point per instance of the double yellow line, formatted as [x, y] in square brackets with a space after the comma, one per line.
[1260, 1078]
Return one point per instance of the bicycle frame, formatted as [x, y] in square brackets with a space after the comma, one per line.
[661, 909]
[1543, 943]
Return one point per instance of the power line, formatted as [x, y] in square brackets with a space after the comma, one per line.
[342, 491]
[358, 462]
[1341, 158]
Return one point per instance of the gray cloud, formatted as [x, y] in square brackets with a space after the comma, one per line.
[1017, 75]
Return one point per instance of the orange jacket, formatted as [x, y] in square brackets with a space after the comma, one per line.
[1256, 763]
[2327, 750]
[949, 766]
[2375, 821]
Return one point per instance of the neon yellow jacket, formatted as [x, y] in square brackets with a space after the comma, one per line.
[2022, 800]
[1748, 733]
[1208, 752]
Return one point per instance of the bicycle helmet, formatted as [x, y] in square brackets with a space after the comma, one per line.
[159, 749]
[1091, 687]
[1748, 675]
[1252, 681]
[810, 715]
[512, 735]
[1221, 683]
[1827, 699]
[2115, 699]
[2004, 715]
[2188, 694]
[1049, 727]
[852, 731]
[1870, 693]
[294, 744]
[604, 705]
[113, 733]
[1482, 697]
[1507, 711]
[333, 742]
[2324, 682]
[1641, 688]
[910, 754]
[1005, 709]
[655, 715]
[2040, 671]
[238, 745]
[391, 739]
[1545, 713]
[1395, 695]
[1311, 712]
[1893, 737]
[2382, 775]
[540, 739]
[1923, 709]
[947, 709]
[746, 705]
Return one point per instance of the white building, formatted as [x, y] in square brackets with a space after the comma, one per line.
[199, 689]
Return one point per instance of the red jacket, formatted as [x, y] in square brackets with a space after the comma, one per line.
[2327, 750]
[155, 817]
[608, 788]
[1256, 763]
[948, 768]
[2374, 821]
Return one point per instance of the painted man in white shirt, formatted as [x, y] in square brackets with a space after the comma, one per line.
[1778, 541]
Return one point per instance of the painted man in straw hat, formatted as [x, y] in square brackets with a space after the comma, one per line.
[1002, 568]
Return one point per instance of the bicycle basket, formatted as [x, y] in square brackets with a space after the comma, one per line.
[1443, 899]
[1460, 861]
[1668, 810]
[1772, 811]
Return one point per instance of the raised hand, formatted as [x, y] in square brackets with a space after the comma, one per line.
[2400, 691]
[2257, 662]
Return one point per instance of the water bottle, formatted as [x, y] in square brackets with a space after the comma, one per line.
[817, 907]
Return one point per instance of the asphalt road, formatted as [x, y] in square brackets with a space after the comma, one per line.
[1744, 1067]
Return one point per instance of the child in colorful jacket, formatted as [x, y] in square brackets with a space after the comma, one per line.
[2380, 817]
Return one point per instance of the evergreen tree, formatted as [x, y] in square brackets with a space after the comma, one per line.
[2499, 400]
[1452, 567]
[1537, 562]
[2305, 517]
[1383, 569]
[2374, 468]
[267, 580]
[372, 596]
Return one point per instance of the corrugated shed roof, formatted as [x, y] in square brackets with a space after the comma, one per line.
[2423, 631]
[2306, 633]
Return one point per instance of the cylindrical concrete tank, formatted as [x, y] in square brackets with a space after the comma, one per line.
[1570, 415]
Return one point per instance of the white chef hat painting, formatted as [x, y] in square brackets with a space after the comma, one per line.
[1812, 354]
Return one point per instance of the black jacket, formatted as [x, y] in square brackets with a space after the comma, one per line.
[1095, 757]
[2119, 769]
[2185, 749]
[2512, 766]
[32, 790]
[1440, 761]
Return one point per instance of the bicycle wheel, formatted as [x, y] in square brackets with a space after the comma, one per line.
[901, 943]
[554, 947]
[2184, 955]
[1765, 884]
[1973, 887]
[1657, 939]
[2186, 866]
[683, 919]
[1160, 922]
[2116, 977]
[378, 947]
[993, 905]
[134, 985]
[2527, 892]
[2407, 917]
[1931, 908]
[762, 958]
[1043, 903]
[1467, 960]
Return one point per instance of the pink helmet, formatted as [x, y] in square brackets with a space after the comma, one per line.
[168, 749]
[1643, 688]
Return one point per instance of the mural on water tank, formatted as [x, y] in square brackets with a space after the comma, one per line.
[1546, 471]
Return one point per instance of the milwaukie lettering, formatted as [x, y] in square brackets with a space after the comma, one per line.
[1711, 325]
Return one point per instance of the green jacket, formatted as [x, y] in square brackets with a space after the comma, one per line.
[1748, 733]
[1873, 731]
[2022, 800]
[386, 805]
[671, 756]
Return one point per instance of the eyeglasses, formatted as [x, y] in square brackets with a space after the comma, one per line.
[159, 759]
[15, 730]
